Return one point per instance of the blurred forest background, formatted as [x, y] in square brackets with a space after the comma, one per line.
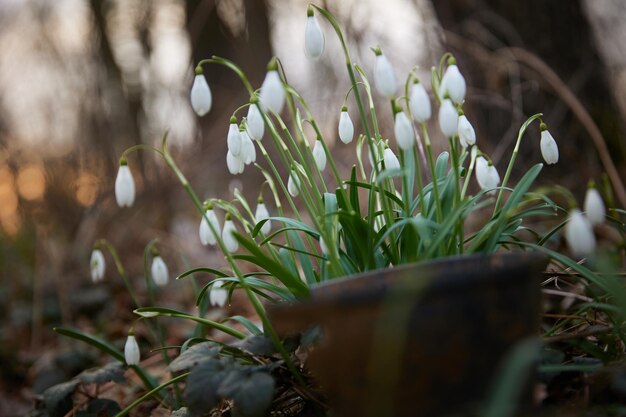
[82, 80]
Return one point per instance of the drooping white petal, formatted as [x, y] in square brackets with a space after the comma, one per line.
[448, 118]
[131, 351]
[293, 184]
[594, 206]
[124, 187]
[234, 139]
[206, 235]
[313, 38]
[549, 148]
[218, 295]
[467, 135]
[346, 128]
[272, 94]
[227, 236]
[419, 103]
[390, 159]
[97, 265]
[384, 77]
[319, 155]
[486, 174]
[453, 84]
[254, 122]
[579, 234]
[248, 151]
[159, 271]
[235, 164]
[403, 130]
[201, 98]
[261, 214]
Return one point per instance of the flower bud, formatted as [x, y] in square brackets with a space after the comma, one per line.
[206, 235]
[486, 175]
[319, 155]
[594, 206]
[254, 122]
[346, 128]
[159, 272]
[293, 184]
[218, 295]
[230, 242]
[467, 135]
[448, 119]
[235, 164]
[403, 131]
[579, 234]
[201, 95]
[453, 84]
[131, 350]
[313, 37]
[272, 95]
[549, 148]
[97, 265]
[124, 186]
[233, 138]
[384, 77]
[261, 214]
[390, 159]
[419, 103]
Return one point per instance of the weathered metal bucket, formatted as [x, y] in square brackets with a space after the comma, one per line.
[418, 340]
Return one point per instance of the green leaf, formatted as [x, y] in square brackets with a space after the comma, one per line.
[247, 323]
[168, 312]
[254, 395]
[93, 341]
[441, 166]
[193, 356]
[215, 272]
[368, 186]
[305, 260]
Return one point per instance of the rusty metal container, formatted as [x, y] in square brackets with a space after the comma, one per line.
[417, 340]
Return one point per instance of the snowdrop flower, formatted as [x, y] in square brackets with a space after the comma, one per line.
[403, 130]
[235, 164]
[419, 103]
[261, 214]
[200, 94]
[346, 128]
[579, 234]
[594, 206]
[486, 174]
[453, 84]
[97, 265]
[272, 95]
[217, 294]
[248, 151]
[384, 77]
[319, 155]
[233, 139]
[390, 159]
[230, 242]
[131, 350]
[254, 121]
[159, 272]
[448, 118]
[549, 148]
[206, 235]
[124, 185]
[293, 184]
[467, 135]
[313, 36]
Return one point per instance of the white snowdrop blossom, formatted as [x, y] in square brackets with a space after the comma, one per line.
[346, 128]
[201, 98]
[594, 206]
[419, 103]
[293, 184]
[254, 122]
[272, 94]
[448, 119]
[235, 164]
[131, 351]
[228, 238]
[453, 84]
[262, 213]
[384, 77]
[467, 135]
[159, 271]
[549, 148]
[579, 234]
[124, 186]
[218, 295]
[390, 159]
[313, 36]
[486, 174]
[319, 155]
[233, 139]
[403, 131]
[248, 151]
[206, 235]
[97, 265]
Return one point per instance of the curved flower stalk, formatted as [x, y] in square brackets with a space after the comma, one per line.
[313, 36]
[124, 185]
[594, 206]
[346, 128]
[201, 98]
[549, 148]
[97, 265]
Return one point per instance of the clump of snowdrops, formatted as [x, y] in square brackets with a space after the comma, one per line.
[400, 203]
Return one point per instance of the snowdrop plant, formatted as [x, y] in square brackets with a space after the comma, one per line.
[98, 265]
[124, 185]
[131, 350]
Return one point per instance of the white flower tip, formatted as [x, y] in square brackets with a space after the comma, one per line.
[313, 38]
[228, 237]
[201, 98]
[293, 184]
[319, 155]
[384, 77]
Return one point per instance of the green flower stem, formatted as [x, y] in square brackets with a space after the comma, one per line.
[291, 104]
[120, 269]
[431, 165]
[509, 168]
[458, 241]
[469, 174]
[151, 393]
[232, 66]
